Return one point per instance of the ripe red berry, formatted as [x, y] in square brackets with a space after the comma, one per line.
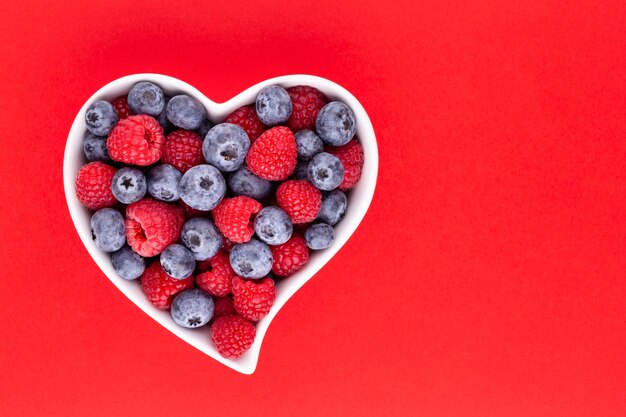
[273, 155]
[247, 119]
[290, 256]
[223, 307]
[152, 225]
[191, 212]
[300, 199]
[160, 287]
[253, 299]
[351, 156]
[183, 150]
[136, 140]
[232, 335]
[218, 276]
[234, 217]
[93, 185]
[120, 105]
[307, 102]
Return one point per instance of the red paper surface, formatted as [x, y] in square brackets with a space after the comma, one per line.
[486, 280]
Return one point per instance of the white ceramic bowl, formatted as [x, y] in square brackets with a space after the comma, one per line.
[358, 199]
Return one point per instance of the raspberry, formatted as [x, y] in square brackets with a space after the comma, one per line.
[246, 118]
[217, 280]
[183, 150]
[232, 335]
[228, 245]
[223, 307]
[307, 102]
[273, 155]
[190, 212]
[253, 299]
[300, 199]
[136, 140]
[152, 225]
[233, 217]
[290, 256]
[160, 287]
[120, 105]
[351, 156]
[93, 185]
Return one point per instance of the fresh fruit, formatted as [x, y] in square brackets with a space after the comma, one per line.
[334, 206]
[201, 237]
[204, 128]
[273, 105]
[146, 98]
[217, 280]
[252, 259]
[234, 216]
[308, 144]
[95, 148]
[335, 124]
[300, 199]
[301, 171]
[160, 288]
[246, 118]
[136, 140]
[244, 182]
[100, 118]
[307, 102]
[232, 335]
[129, 185]
[273, 225]
[351, 156]
[226, 146]
[325, 171]
[290, 256]
[152, 225]
[273, 155]
[253, 299]
[163, 182]
[93, 185]
[223, 307]
[192, 308]
[177, 261]
[183, 150]
[107, 229]
[202, 187]
[185, 112]
[163, 120]
[319, 236]
[121, 107]
[127, 263]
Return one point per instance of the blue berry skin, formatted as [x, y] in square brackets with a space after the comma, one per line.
[128, 264]
[95, 148]
[204, 128]
[335, 124]
[273, 105]
[302, 171]
[202, 238]
[163, 182]
[309, 144]
[244, 182]
[325, 171]
[177, 261]
[273, 225]
[252, 259]
[146, 98]
[334, 206]
[100, 118]
[319, 236]
[129, 185]
[192, 308]
[108, 230]
[185, 112]
[202, 187]
[163, 120]
[226, 146]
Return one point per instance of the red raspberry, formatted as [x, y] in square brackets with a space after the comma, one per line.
[307, 103]
[152, 225]
[253, 299]
[93, 185]
[136, 140]
[217, 280]
[234, 216]
[273, 155]
[120, 105]
[246, 118]
[300, 199]
[183, 150]
[160, 287]
[228, 245]
[232, 335]
[223, 307]
[290, 256]
[190, 212]
[351, 156]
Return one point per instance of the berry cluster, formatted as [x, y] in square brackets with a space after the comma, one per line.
[208, 217]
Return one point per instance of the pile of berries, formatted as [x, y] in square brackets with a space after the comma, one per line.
[208, 217]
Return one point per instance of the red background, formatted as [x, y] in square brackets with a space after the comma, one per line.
[486, 280]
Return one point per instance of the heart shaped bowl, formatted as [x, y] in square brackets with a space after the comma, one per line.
[359, 199]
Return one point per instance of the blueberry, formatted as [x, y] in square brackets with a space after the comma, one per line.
[226, 146]
[185, 112]
[309, 144]
[95, 148]
[273, 225]
[100, 118]
[273, 105]
[202, 238]
[146, 98]
[163, 120]
[334, 206]
[177, 261]
[319, 236]
[244, 182]
[127, 263]
[204, 128]
[325, 171]
[163, 182]
[202, 187]
[252, 259]
[335, 124]
[302, 171]
[108, 230]
[129, 185]
[192, 308]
